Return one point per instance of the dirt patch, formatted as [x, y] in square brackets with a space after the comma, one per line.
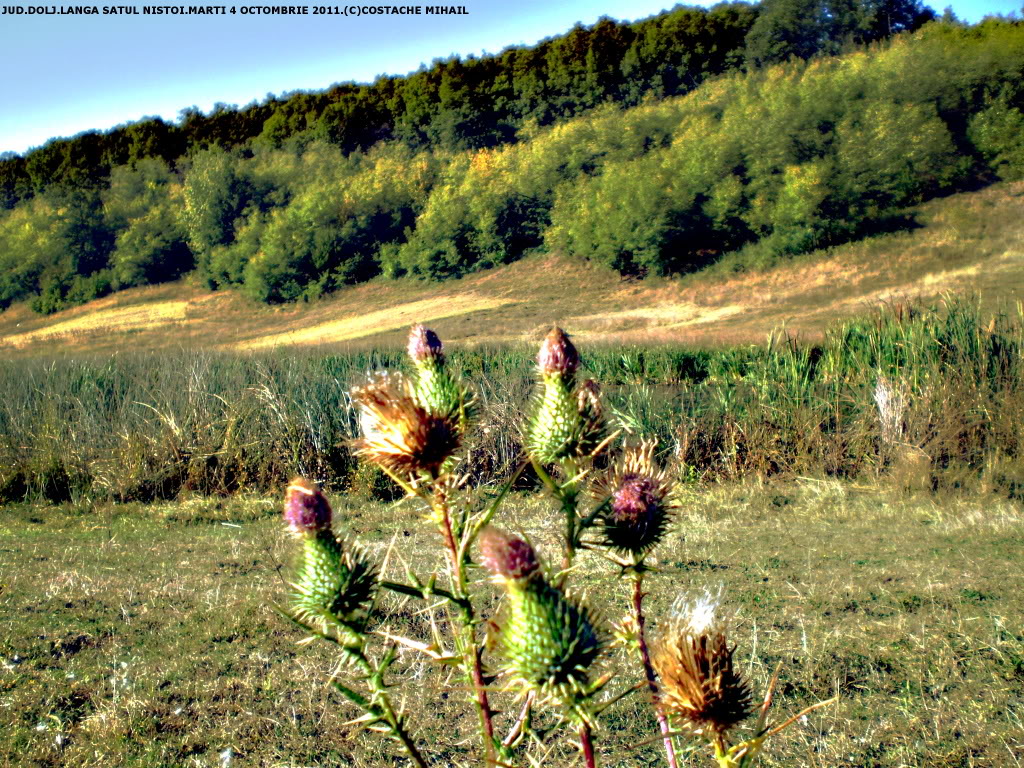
[106, 320]
[377, 321]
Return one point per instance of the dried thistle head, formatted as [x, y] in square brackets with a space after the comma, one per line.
[695, 663]
[334, 581]
[558, 356]
[306, 509]
[548, 640]
[424, 345]
[641, 501]
[398, 432]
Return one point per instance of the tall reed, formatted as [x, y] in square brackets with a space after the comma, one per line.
[139, 427]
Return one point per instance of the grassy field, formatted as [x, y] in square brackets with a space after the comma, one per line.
[874, 551]
[965, 243]
[145, 635]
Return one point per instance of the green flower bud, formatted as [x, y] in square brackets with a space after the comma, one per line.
[333, 581]
[548, 640]
[554, 431]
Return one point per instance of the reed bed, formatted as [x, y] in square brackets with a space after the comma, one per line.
[923, 396]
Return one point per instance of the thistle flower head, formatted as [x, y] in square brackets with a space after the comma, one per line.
[399, 433]
[333, 581]
[695, 663]
[506, 556]
[306, 509]
[558, 356]
[548, 640]
[424, 345]
[641, 501]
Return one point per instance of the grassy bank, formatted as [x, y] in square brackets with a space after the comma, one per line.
[144, 635]
[136, 427]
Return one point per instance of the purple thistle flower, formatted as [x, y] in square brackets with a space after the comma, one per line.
[424, 345]
[505, 555]
[306, 509]
[557, 355]
[636, 502]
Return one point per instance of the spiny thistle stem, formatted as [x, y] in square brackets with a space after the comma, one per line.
[381, 704]
[645, 658]
[569, 496]
[378, 707]
[587, 745]
[466, 638]
[520, 724]
[566, 495]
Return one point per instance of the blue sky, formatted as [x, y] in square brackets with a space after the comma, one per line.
[66, 74]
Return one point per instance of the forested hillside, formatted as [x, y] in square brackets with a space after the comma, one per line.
[653, 147]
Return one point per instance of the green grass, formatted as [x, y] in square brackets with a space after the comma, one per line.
[145, 635]
[140, 427]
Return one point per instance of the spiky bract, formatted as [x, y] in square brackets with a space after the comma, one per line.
[548, 640]
[334, 581]
[640, 501]
[554, 430]
[695, 663]
[399, 433]
[567, 422]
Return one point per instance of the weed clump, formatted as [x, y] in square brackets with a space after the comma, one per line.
[548, 645]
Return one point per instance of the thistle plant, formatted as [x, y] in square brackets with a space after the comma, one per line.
[334, 583]
[567, 429]
[331, 597]
[638, 507]
[548, 640]
[411, 430]
[549, 643]
[701, 686]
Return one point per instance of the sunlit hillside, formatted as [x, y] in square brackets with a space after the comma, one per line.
[968, 243]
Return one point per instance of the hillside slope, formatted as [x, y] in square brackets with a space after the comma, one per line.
[967, 243]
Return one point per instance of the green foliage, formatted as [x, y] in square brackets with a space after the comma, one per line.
[581, 145]
[215, 194]
[56, 249]
[798, 156]
[805, 28]
[142, 206]
[151, 426]
[998, 134]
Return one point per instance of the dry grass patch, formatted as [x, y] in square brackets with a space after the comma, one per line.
[145, 636]
[396, 318]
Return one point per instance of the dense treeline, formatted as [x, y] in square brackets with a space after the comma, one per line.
[454, 104]
[482, 159]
